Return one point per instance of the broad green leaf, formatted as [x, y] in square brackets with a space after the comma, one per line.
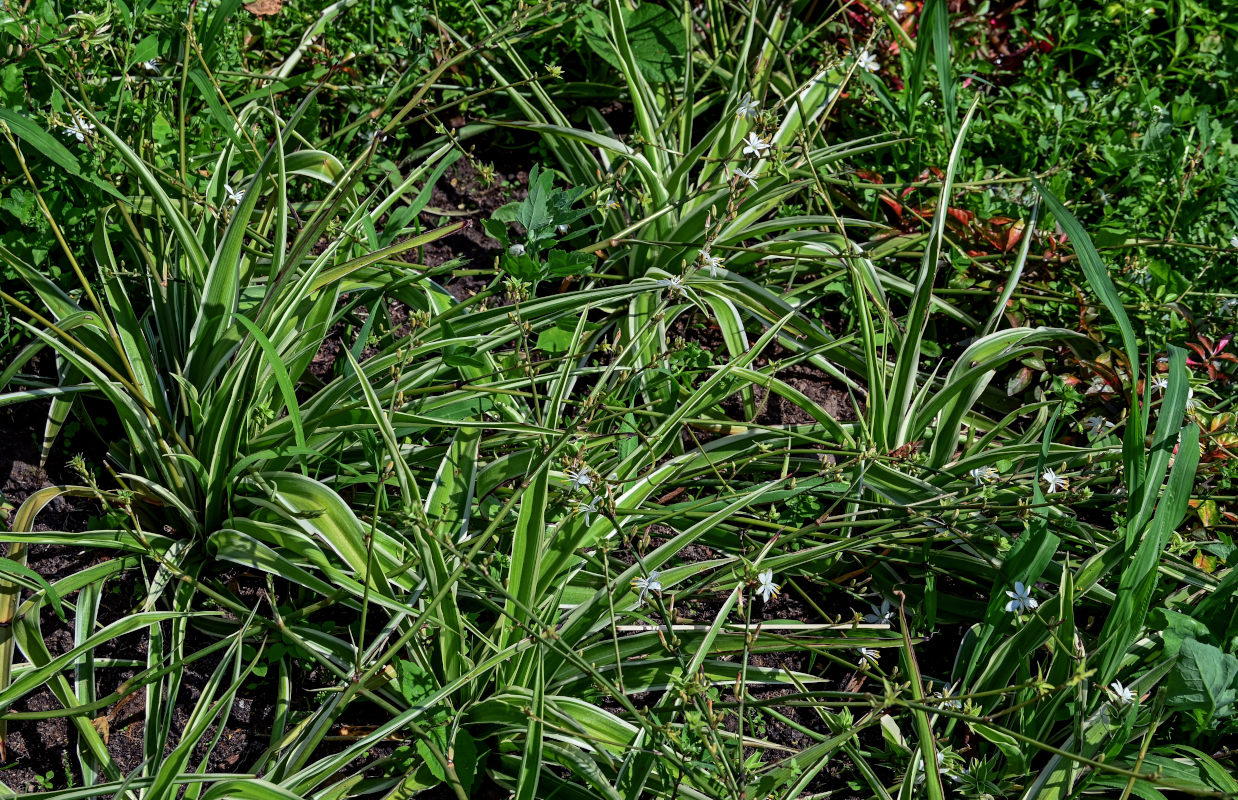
[650, 29]
[1203, 679]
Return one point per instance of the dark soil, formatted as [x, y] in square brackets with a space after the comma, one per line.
[462, 193]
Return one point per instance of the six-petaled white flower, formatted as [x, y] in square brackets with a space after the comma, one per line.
[1055, 482]
[868, 61]
[578, 478]
[983, 475]
[586, 509]
[883, 614]
[745, 175]
[235, 196]
[1121, 694]
[1097, 426]
[151, 66]
[711, 262]
[868, 657]
[1021, 599]
[645, 585]
[747, 107]
[1160, 383]
[766, 586]
[1190, 400]
[754, 146]
[673, 283]
[81, 129]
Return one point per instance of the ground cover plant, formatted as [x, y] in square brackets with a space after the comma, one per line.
[617, 400]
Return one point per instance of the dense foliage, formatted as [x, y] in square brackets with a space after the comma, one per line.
[621, 399]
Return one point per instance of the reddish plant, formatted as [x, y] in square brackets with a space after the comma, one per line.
[1212, 356]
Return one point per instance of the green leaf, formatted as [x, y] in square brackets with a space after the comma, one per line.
[497, 229]
[146, 49]
[11, 90]
[564, 262]
[42, 141]
[461, 754]
[24, 576]
[650, 29]
[414, 682]
[554, 341]
[533, 213]
[524, 267]
[1204, 679]
[464, 754]
[1231, 198]
[1011, 748]
[459, 356]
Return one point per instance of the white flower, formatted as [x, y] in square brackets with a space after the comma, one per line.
[81, 128]
[868, 657]
[1056, 482]
[1160, 382]
[151, 66]
[747, 107]
[1121, 694]
[1097, 426]
[234, 195]
[578, 478]
[983, 475]
[748, 176]
[948, 702]
[711, 262]
[516, 250]
[673, 283]
[1021, 599]
[1233, 240]
[868, 61]
[587, 509]
[766, 586]
[561, 230]
[1190, 400]
[754, 146]
[647, 585]
[884, 614]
